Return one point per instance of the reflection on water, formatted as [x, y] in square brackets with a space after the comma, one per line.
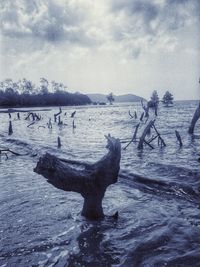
[157, 195]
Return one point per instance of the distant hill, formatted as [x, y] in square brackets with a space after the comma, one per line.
[118, 99]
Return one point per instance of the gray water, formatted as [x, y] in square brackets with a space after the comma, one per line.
[157, 194]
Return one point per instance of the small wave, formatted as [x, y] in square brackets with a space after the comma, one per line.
[159, 187]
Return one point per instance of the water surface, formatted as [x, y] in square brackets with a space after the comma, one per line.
[157, 194]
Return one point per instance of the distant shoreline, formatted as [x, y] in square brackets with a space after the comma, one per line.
[12, 110]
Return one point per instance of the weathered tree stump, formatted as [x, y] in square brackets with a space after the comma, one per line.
[10, 129]
[195, 118]
[59, 142]
[57, 114]
[91, 182]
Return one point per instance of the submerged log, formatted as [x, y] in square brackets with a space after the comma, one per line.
[91, 181]
[195, 118]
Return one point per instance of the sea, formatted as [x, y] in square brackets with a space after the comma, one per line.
[157, 194]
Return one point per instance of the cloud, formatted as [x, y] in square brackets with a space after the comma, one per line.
[129, 26]
[149, 25]
[52, 21]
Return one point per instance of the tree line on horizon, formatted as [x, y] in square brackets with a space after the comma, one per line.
[154, 100]
[25, 93]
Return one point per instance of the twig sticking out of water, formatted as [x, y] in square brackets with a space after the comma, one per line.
[146, 132]
[31, 124]
[73, 114]
[141, 117]
[134, 136]
[55, 115]
[132, 117]
[195, 118]
[160, 139]
[12, 152]
[178, 138]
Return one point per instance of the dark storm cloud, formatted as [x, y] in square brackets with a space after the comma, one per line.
[46, 20]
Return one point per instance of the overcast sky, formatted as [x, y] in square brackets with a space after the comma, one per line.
[123, 46]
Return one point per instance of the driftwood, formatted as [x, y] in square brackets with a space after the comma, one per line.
[91, 182]
[146, 109]
[34, 116]
[195, 118]
[55, 115]
[134, 136]
[141, 117]
[31, 124]
[178, 138]
[10, 130]
[73, 124]
[73, 114]
[59, 142]
[59, 121]
[160, 139]
[145, 132]
[5, 150]
[49, 124]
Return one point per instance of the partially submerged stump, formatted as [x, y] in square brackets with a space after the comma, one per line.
[195, 118]
[10, 129]
[57, 114]
[91, 182]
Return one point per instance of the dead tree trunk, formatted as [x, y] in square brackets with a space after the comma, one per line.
[55, 115]
[10, 129]
[194, 120]
[145, 132]
[91, 182]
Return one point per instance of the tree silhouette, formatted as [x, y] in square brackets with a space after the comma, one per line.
[167, 98]
[25, 93]
[110, 98]
[154, 100]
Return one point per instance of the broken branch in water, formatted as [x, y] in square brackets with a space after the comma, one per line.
[145, 132]
[55, 115]
[132, 117]
[178, 138]
[134, 136]
[195, 118]
[91, 182]
[31, 124]
[12, 152]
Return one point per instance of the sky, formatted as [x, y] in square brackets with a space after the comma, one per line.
[102, 46]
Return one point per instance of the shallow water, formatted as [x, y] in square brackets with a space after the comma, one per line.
[157, 194]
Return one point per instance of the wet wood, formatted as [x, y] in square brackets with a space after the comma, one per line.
[57, 114]
[91, 180]
[134, 136]
[178, 138]
[145, 132]
[195, 118]
[10, 129]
